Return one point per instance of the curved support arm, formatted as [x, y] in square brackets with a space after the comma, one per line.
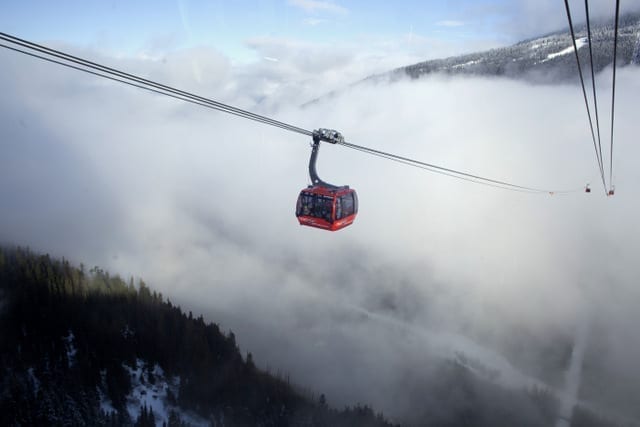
[327, 135]
[313, 173]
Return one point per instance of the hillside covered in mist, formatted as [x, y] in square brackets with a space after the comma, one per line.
[546, 59]
[86, 348]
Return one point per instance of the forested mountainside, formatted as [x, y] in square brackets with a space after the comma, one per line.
[86, 348]
[548, 59]
[545, 59]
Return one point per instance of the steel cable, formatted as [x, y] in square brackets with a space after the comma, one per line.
[613, 93]
[123, 75]
[593, 82]
[158, 88]
[584, 93]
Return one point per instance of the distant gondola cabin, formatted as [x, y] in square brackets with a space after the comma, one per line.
[327, 208]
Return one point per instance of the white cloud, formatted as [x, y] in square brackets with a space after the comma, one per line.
[307, 70]
[314, 6]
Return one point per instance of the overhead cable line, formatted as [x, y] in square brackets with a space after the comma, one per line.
[584, 93]
[139, 86]
[113, 74]
[112, 71]
[593, 81]
[407, 163]
[613, 95]
[449, 172]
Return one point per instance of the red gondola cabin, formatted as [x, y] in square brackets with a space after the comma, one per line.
[323, 205]
[327, 208]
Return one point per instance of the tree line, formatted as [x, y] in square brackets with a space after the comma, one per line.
[45, 303]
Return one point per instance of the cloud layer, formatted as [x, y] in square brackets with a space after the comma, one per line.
[201, 204]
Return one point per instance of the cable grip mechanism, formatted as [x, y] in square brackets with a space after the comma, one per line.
[328, 135]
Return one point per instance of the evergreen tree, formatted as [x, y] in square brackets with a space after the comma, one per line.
[47, 378]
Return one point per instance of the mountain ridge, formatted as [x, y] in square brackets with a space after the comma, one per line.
[545, 59]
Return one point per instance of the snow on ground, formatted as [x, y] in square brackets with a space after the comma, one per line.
[105, 402]
[466, 63]
[579, 43]
[149, 387]
[148, 390]
[71, 348]
[36, 381]
[635, 60]
[151, 391]
[194, 420]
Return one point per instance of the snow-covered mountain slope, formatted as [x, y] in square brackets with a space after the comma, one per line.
[545, 59]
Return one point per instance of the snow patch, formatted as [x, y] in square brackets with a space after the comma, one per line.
[466, 63]
[635, 59]
[71, 348]
[150, 387]
[36, 381]
[194, 420]
[579, 43]
[105, 402]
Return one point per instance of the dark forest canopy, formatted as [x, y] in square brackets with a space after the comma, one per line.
[46, 303]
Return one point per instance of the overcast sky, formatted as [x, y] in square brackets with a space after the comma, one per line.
[201, 204]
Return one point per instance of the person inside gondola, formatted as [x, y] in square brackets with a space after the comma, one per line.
[306, 207]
